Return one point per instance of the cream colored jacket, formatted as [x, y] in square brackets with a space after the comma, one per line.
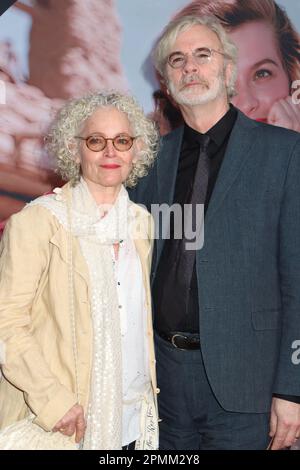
[35, 325]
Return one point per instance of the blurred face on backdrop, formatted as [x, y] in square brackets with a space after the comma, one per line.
[193, 79]
[262, 80]
[106, 167]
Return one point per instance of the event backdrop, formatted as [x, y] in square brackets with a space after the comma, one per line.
[53, 50]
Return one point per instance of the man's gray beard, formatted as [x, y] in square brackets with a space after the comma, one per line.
[184, 98]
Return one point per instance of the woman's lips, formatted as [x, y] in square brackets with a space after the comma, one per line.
[110, 166]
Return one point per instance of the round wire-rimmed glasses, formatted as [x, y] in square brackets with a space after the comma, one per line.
[201, 56]
[97, 142]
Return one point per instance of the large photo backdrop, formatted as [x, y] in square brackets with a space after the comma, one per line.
[53, 50]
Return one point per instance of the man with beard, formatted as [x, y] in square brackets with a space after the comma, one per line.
[227, 315]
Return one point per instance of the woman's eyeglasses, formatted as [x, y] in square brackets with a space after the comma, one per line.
[98, 142]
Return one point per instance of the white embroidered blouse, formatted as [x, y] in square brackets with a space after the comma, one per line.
[133, 321]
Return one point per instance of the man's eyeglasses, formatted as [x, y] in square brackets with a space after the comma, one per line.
[201, 56]
[98, 142]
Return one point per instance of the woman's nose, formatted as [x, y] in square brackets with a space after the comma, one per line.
[109, 150]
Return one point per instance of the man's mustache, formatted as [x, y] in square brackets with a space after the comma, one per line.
[194, 78]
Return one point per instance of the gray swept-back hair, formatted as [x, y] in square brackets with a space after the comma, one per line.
[236, 13]
[70, 119]
[168, 37]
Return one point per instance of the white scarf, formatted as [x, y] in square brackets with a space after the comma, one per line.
[96, 235]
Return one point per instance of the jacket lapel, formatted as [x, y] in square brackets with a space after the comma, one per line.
[141, 232]
[143, 250]
[167, 166]
[238, 150]
[60, 240]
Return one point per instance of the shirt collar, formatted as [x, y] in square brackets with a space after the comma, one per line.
[218, 133]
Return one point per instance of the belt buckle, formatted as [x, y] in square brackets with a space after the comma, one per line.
[175, 345]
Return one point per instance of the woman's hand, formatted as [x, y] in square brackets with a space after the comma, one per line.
[285, 113]
[72, 421]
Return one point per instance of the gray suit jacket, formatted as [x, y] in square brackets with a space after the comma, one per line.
[249, 268]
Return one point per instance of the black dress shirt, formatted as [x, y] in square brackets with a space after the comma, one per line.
[171, 313]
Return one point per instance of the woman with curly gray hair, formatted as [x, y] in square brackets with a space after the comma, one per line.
[76, 327]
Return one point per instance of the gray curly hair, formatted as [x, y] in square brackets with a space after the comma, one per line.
[168, 37]
[61, 143]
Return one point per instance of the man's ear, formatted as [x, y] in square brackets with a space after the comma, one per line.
[165, 87]
[163, 81]
[228, 72]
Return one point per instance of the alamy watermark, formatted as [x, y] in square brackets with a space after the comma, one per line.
[187, 222]
[296, 353]
[296, 93]
[177, 222]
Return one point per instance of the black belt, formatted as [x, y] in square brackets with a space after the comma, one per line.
[181, 340]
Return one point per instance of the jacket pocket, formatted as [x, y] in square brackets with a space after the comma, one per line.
[266, 319]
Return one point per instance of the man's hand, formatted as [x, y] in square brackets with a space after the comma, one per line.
[285, 423]
[285, 113]
[72, 421]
